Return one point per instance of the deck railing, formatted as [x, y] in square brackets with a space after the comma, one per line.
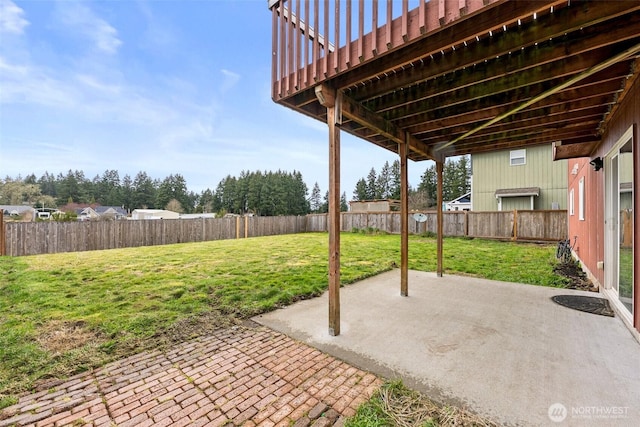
[313, 40]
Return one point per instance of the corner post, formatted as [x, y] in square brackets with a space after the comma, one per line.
[404, 218]
[439, 172]
[332, 101]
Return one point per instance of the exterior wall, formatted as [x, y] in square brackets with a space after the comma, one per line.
[518, 203]
[492, 171]
[589, 244]
[591, 233]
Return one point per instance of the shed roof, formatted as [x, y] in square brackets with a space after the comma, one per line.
[518, 192]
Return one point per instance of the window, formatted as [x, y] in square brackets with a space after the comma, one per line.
[581, 199]
[517, 157]
[571, 205]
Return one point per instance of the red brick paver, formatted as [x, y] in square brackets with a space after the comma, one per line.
[237, 376]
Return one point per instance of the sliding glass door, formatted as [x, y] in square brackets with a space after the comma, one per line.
[619, 208]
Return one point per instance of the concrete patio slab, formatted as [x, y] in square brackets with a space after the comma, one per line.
[502, 350]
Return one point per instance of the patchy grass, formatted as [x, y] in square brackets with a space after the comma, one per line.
[66, 313]
[396, 405]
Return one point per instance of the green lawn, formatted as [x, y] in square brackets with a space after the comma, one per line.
[65, 313]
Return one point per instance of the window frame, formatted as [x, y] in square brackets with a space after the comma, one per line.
[571, 203]
[581, 194]
[518, 154]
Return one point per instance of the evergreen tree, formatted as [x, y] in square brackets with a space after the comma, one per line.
[455, 181]
[360, 193]
[174, 187]
[254, 188]
[126, 193]
[324, 208]
[429, 186]
[71, 187]
[383, 182]
[48, 184]
[395, 181]
[298, 196]
[372, 190]
[344, 206]
[206, 202]
[315, 201]
[144, 192]
[107, 190]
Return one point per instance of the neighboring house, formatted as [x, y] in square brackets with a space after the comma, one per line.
[386, 205]
[154, 214]
[462, 203]
[26, 212]
[86, 214]
[47, 213]
[523, 179]
[111, 212]
[603, 209]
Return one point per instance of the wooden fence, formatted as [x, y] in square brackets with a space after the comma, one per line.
[31, 238]
[539, 225]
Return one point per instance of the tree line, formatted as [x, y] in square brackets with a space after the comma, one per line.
[265, 193]
[386, 184]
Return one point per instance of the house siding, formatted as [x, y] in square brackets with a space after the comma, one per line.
[590, 247]
[492, 171]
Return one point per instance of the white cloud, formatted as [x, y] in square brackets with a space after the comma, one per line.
[229, 81]
[11, 18]
[80, 18]
[160, 35]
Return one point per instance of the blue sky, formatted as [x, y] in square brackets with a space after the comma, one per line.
[164, 86]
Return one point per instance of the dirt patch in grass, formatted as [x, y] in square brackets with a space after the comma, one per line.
[192, 327]
[58, 337]
[577, 278]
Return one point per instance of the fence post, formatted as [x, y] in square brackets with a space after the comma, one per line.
[515, 225]
[246, 226]
[3, 236]
[237, 227]
[466, 223]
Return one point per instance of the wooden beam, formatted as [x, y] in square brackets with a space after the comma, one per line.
[367, 118]
[545, 42]
[488, 80]
[491, 16]
[572, 151]
[576, 98]
[593, 70]
[404, 219]
[328, 98]
[439, 173]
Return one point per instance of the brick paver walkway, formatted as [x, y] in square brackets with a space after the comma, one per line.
[238, 376]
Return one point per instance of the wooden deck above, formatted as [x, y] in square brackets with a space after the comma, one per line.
[454, 77]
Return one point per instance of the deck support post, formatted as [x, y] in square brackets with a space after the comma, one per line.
[332, 101]
[404, 218]
[439, 172]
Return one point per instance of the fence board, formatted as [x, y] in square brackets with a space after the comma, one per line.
[31, 238]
